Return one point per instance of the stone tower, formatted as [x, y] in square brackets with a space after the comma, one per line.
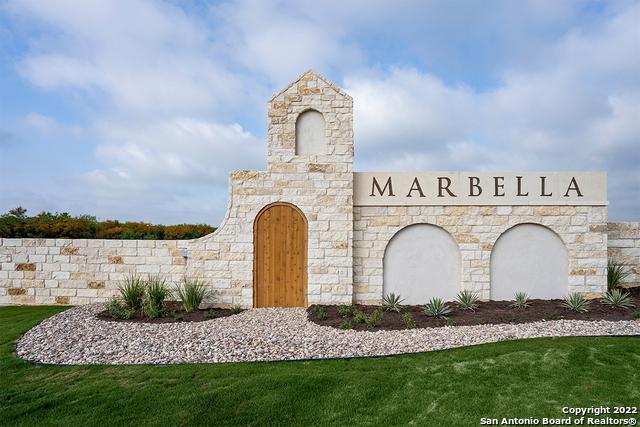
[309, 165]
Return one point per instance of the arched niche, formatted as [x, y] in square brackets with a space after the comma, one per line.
[529, 258]
[310, 133]
[422, 261]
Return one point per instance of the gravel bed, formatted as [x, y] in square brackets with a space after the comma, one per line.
[77, 337]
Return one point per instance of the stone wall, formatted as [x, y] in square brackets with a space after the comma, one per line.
[624, 248]
[476, 229]
[80, 271]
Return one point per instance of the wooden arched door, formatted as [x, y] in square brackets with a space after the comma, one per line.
[280, 257]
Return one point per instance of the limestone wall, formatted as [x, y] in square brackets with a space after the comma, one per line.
[476, 229]
[80, 271]
[624, 248]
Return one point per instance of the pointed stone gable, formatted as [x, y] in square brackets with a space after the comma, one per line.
[299, 85]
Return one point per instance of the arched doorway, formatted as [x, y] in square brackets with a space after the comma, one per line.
[280, 257]
[422, 261]
[529, 258]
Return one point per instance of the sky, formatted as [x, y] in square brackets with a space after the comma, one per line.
[139, 110]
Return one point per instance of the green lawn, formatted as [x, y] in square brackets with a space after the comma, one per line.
[532, 378]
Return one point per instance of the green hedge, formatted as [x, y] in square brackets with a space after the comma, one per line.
[16, 224]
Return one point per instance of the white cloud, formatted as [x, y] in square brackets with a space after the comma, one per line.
[171, 91]
[40, 122]
[143, 57]
[183, 149]
[581, 110]
[281, 39]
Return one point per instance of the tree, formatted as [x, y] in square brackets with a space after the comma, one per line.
[18, 212]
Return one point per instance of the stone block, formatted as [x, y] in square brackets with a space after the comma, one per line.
[25, 267]
[69, 250]
[115, 259]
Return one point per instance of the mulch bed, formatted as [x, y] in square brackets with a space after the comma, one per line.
[489, 312]
[175, 313]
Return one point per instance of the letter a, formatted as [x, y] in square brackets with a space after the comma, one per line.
[415, 187]
[573, 185]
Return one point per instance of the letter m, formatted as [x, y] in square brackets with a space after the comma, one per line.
[376, 186]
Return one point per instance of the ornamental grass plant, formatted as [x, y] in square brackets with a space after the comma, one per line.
[157, 292]
[132, 292]
[191, 292]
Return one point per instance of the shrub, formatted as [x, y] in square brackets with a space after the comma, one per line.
[236, 308]
[16, 223]
[467, 300]
[132, 292]
[344, 311]
[119, 311]
[157, 292]
[192, 292]
[391, 302]
[521, 300]
[211, 314]
[616, 273]
[618, 299]
[437, 308]
[636, 314]
[407, 319]
[345, 325]
[359, 316]
[320, 312]
[374, 318]
[575, 301]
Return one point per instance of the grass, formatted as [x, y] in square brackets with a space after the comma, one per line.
[529, 378]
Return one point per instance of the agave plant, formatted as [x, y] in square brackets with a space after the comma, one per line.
[467, 300]
[521, 300]
[391, 302]
[436, 307]
[616, 273]
[575, 301]
[618, 299]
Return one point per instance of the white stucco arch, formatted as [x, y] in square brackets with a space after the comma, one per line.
[310, 133]
[422, 261]
[530, 258]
